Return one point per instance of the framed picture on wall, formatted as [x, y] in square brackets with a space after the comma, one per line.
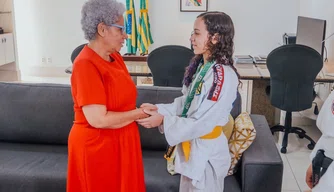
[193, 5]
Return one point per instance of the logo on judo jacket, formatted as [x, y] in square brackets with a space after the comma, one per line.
[218, 81]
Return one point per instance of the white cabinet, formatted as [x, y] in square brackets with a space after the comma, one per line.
[2, 51]
[7, 54]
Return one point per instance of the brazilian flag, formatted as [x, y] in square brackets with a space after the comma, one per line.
[144, 36]
[131, 27]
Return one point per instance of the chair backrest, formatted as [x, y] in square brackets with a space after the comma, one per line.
[168, 64]
[293, 69]
[76, 52]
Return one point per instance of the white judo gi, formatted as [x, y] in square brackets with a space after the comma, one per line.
[209, 159]
[325, 123]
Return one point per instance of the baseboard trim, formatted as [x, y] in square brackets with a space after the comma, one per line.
[45, 71]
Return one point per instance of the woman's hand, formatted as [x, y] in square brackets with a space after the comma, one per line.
[98, 116]
[141, 113]
[149, 106]
[309, 177]
[154, 120]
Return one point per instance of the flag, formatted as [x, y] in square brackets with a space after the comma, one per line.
[144, 31]
[131, 27]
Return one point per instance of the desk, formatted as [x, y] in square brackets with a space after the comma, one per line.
[247, 71]
[140, 74]
[135, 58]
[259, 74]
[260, 77]
[259, 101]
[322, 76]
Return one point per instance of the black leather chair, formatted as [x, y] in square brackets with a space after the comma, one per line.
[76, 51]
[293, 69]
[74, 54]
[168, 64]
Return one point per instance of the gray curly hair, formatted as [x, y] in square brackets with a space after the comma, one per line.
[97, 11]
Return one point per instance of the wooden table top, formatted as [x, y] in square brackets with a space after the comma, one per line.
[260, 71]
[135, 58]
[247, 71]
[326, 75]
[329, 68]
[141, 74]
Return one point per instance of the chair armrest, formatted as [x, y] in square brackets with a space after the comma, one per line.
[261, 164]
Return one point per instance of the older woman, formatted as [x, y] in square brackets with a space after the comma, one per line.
[104, 145]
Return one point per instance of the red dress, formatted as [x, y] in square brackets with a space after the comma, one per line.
[103, 160]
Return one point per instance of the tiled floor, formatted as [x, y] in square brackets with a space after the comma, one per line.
[296, 160]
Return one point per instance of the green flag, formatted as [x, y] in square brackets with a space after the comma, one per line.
[131, 27]
[144, 36]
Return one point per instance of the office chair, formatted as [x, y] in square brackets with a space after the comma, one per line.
[74, 55]
[76, 51]
[168, 64]
[293, 69]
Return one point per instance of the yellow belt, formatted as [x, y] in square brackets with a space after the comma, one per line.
[217, 131]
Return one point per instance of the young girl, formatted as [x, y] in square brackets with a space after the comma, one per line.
[193, 122]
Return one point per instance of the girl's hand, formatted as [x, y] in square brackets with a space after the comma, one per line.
[154, 120]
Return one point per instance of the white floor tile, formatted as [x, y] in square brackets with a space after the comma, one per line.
[289, 181]
[302, 184]
[289, 184]
[299, 162]
[297, 159]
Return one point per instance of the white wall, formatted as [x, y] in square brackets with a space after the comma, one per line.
[259, 24]
[49, 28]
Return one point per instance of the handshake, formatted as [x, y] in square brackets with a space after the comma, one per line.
[149, 116]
